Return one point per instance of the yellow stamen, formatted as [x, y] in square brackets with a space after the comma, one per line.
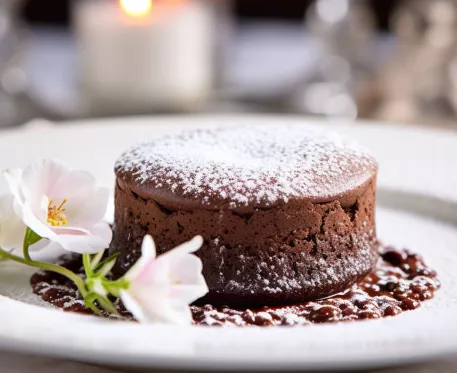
[56, 214]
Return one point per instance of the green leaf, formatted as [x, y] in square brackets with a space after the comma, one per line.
[89, 300]
[96, 259]
[107, 305]
[111, 258]
[87, 265]
[30, 238]
[115, 287]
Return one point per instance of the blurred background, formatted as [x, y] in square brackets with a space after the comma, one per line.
[390, 60]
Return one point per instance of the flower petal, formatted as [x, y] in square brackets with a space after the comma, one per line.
[187, 247]
[148, 307]
[38, 179]
[188, 294]
[99, 238]
[186, 269]
[31, 220]
[12, 229]
[13, 178]
[44, 244]
[179, 314]
[148, 247]
[75, 185]
[85, 202]
[93, 209]
[41, 176]
[188, 283]
[66, 230]
[30, 201]
[148, 254]
[132, 305]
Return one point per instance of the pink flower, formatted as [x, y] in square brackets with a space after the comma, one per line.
[162, 288]
[62, 205]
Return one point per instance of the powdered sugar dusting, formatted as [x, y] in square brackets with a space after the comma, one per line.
[260, 165]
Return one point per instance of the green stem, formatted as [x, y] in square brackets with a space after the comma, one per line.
[87, 265]
[25, 245]
[79, 282]
[96, 259]
[115, 287]
[30, 238]
[107, 305]
[3, 259]
[89, 303]
[112, 287]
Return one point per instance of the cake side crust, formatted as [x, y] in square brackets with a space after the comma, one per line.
[293, 252]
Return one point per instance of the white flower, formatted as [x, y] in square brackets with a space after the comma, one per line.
[161, 288]
[62, 205]
[12, 229]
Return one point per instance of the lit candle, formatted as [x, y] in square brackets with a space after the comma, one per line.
[139, 55]
[136, 8]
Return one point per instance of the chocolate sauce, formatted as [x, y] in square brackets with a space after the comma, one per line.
[400, 282]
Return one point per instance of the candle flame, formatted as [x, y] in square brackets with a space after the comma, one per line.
[136, 8]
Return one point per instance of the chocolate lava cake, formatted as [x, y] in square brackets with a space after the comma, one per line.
[286, 212]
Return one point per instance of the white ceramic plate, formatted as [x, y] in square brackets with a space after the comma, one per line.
[417, 208]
